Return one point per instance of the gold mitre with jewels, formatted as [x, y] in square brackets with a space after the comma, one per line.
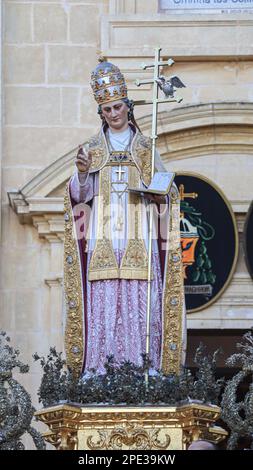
[107, 82]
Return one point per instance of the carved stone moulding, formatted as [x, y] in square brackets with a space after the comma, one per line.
[102, 427]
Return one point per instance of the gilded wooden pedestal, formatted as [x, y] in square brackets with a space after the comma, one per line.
[104, 427]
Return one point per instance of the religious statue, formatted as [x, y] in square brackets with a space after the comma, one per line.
[106, 261]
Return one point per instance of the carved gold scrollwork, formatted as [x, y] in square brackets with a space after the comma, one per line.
[63, 439]
[68, 440]
[97, 444]
[142, 156]
[124, 428]
[131, 437]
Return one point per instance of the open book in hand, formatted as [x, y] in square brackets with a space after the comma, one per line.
[160, 184]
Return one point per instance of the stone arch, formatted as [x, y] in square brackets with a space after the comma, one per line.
[185, 133]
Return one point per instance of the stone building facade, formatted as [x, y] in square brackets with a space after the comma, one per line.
[49, 49]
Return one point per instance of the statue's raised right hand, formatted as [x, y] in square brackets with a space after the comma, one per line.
[83, 160]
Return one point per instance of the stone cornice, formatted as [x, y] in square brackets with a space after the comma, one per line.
[204, 129]
[50, 178]
[189, 36]
[54, 280]
[28, 207]
[199, 115]
[50, 226]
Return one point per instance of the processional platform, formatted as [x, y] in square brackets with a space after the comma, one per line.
[121, 427]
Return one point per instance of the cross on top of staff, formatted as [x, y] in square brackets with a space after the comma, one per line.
[159, 81]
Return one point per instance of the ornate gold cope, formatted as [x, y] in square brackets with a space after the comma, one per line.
[136, 263]
[103, 264]
[140, 154]
[173, 294]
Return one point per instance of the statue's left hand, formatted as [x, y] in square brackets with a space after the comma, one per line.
[155, 198]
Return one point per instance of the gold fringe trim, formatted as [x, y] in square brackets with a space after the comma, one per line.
[74, 330]
[142, 156]
[173, 297]
[98, 150]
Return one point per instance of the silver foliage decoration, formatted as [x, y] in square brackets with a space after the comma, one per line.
[125, 382]
[16, 410]
[239, 414]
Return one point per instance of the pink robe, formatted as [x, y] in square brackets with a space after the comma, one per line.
[117, 309]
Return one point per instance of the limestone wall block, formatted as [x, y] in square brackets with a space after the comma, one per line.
[15, 177]
[88, 108]
[45, 319]
[70, 106]
[204, 165]
[50, 22]
[84, 24]
[229, 92]
[221, 317]
[180, 35]
[29, 342]
[28, 309]
[39, 147]
[134, 7]
[176, 35]
[204, 72]
[71, 65]
[245, 73]
[34, 106]
[17, 22]
[222, 169]
[178, 142]
[14, 233]
[234, 176]
[145, 7]
[21, 268]
[91, 2]
[24, 64]
[7, 309]
[235, 135]
[245, 36]
[190, 96]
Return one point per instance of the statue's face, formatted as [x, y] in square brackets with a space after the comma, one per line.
[116, 115]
